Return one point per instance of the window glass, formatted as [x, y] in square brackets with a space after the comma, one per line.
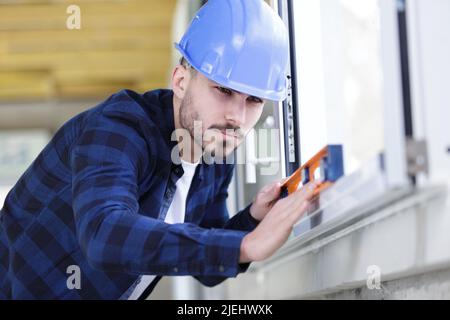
[18, 149]
[339, 78]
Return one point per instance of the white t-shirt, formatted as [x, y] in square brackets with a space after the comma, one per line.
[175, 214]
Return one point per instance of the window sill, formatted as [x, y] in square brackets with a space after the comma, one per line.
[404, 231]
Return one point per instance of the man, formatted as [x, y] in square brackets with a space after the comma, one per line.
[114, 202]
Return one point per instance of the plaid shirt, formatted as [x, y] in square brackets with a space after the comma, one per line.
[95, 198]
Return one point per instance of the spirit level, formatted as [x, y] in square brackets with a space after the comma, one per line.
[326, 166]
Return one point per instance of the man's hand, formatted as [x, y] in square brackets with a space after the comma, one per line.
[265, 199]
[274, 230]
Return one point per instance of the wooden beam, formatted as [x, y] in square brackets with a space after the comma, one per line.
[108, 15]
[122, 44]
[25, 85]
[85, 39]
[85, 59]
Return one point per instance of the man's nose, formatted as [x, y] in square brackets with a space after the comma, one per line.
[237, 113]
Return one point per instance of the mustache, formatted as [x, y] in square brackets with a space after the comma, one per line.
[237, 131]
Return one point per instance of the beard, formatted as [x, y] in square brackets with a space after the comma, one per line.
[211, 141]
[187, 116]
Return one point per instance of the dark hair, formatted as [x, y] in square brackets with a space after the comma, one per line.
[187, 65]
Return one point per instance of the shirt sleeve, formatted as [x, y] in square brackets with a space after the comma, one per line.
[217, 216]
[113, 234]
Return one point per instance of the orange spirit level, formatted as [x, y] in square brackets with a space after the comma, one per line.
[326, 166]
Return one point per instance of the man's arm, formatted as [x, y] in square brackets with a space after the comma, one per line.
[106, 162]
[276, 220]
[216, 216]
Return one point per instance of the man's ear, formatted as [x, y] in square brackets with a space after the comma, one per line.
[180, 80]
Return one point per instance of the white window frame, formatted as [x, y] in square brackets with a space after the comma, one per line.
[408, 236]
[384, 179]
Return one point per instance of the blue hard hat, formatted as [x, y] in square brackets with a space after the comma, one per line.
[240, 44]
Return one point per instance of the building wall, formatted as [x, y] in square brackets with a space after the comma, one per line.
[430, 285]
[408, 241]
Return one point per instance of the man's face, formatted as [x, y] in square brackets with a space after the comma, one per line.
[225, 115]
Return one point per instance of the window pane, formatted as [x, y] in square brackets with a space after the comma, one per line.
[339, 78]
[265, 155]
[18, 149]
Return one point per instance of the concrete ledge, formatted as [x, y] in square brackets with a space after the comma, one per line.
[407, 238]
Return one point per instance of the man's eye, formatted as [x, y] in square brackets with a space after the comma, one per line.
[255, 100]
[224, 90]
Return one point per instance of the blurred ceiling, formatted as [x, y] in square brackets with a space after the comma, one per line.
[121, 44]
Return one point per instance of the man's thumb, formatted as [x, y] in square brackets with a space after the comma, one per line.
[276, 188]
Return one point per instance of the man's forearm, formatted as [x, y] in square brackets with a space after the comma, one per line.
[242, 221]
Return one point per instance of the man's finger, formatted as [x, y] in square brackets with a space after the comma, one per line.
[276, 188]
[268, 188]
[304, 193]
[304, 207]
[309, 187]
[272, 191]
